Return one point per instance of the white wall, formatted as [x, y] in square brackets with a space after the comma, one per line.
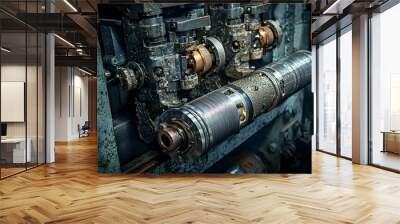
[11, 73]
[61, 103]
[71, 102]
[33, 126]
[17, 73]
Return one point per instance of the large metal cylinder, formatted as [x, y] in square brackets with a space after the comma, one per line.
[200, 124]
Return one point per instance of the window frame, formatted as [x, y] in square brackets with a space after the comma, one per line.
[333, 37]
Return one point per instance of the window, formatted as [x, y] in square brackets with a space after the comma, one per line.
[334, 106]
[327, 96]
[22, 78]
[385, 89]
[346, 92]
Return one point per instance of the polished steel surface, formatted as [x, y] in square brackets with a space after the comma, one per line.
[260, 91]
[291, 73]
[217, 115]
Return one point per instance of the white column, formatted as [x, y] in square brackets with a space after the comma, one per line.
[50, 93]
[360, 90]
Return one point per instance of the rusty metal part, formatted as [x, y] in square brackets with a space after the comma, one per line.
[171, 136]
[199, 60]
[189, 81]
[266, 36]
[218, 51]
[251, 163]
[209, 119]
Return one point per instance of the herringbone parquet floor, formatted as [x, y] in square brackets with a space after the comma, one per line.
[71, 191]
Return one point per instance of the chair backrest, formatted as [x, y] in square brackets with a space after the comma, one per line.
[86, 125]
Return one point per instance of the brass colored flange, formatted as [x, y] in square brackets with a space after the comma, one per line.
[199, 60]
[266, 36]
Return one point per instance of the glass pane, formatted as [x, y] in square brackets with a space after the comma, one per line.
[32, 97]
[327, 96]
[41, 98]
[23, 79]
[346, 94]
[385, 84]
[31, 87]
[13, 86]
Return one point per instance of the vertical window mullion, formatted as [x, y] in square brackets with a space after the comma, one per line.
[338, 80]
[37, 90]
[26, 86]
[317, 97]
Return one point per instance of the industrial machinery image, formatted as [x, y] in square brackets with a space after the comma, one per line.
[204, 88]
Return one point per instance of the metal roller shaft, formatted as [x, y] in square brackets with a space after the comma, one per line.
[200, 124]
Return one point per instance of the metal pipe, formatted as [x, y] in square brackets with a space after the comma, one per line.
[200, 124]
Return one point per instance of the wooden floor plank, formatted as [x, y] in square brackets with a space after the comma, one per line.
[71, 191]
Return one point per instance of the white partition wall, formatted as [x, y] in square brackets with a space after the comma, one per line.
[71, 102]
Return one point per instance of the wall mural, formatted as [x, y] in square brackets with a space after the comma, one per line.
[204, 88]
